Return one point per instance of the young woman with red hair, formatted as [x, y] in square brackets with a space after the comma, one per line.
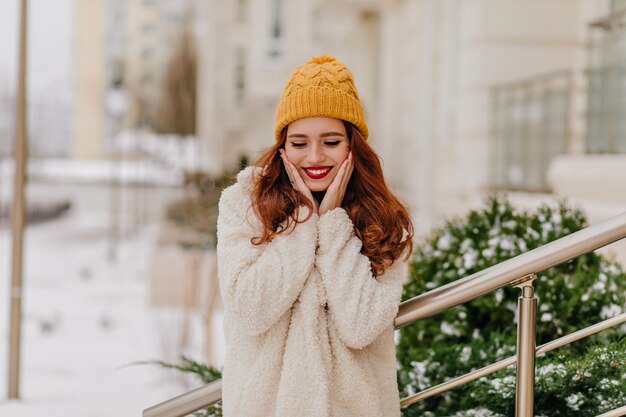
[312, 250]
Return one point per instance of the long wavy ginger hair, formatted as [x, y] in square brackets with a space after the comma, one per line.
[380, 220]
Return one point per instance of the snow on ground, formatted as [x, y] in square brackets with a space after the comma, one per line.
[86, 318]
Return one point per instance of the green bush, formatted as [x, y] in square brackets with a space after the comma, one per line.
[204, 373]
[566, 385]
[571, 296]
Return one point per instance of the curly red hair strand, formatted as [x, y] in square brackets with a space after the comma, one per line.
[273, 197]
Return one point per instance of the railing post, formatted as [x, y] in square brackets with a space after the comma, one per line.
[526, 344]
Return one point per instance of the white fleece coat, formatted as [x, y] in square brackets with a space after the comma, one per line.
[309, 330]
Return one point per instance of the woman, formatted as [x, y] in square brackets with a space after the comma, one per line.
[311, 250]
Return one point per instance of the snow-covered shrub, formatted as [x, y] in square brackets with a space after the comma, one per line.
[566, 385]
[570, 296]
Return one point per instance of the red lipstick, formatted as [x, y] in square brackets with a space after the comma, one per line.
[317, 173]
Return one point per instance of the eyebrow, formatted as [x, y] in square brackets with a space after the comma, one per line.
[324, 135]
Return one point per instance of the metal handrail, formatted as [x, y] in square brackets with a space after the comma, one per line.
[453, 294]
[615, 413]
[188, 402]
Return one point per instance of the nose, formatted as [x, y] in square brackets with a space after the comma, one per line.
[317, 155]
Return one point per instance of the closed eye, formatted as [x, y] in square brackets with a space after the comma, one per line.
[298, 144]
[332, 143]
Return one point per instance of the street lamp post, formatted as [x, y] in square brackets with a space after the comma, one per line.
[116, 104]
[19, 216]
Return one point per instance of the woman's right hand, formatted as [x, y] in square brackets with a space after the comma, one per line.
[296, 180]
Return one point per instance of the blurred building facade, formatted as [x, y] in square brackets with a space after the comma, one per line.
[463, 97]
[121, 44]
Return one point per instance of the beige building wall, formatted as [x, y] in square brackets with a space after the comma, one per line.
[154, 30]
[89, 88]
[216, 93]
[133, 39]
[441, 60]
[503, 42]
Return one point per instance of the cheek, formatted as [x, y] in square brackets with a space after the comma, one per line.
[342, 153]
[294, 156]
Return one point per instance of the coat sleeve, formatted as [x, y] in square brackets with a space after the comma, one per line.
[360, 305]
[259, 283]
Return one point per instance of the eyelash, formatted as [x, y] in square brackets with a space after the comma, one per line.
[332, 144]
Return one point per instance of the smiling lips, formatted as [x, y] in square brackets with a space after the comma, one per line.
[317, 173]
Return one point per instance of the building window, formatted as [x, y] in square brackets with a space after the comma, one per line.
[606, 117]
[240, 77]
[7, 123]
[276, 39]
[146, 78]
[147, 28]
[530, 121]
[618, 5]
[147, 54]
[241, 10]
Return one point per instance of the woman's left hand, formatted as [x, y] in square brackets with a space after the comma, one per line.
[337, 189]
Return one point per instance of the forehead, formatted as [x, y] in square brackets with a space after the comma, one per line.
[313, 126]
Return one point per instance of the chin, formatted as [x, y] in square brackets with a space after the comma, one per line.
[318, 187]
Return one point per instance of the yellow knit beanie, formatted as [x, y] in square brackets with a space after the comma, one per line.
[323, 87]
